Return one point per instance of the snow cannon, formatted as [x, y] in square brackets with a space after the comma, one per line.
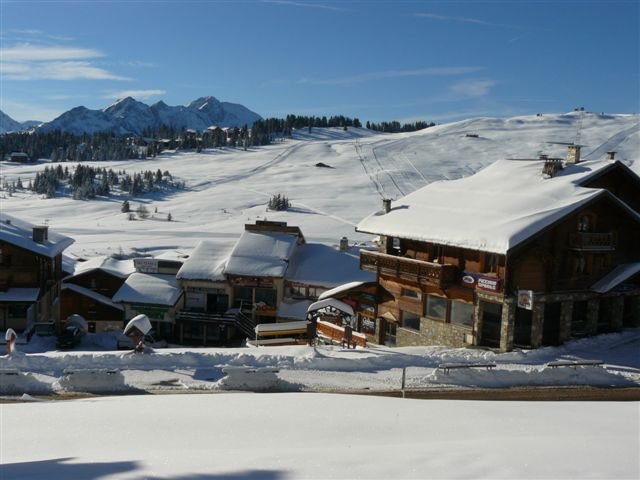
[136, 329]
[77, 321]
[10, 338]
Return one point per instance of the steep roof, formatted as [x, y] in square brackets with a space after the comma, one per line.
[261, 254]
[493, 210]
[20, 233]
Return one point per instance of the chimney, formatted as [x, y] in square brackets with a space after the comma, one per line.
[573, 154]
[344, 244]
[386, 205]
[40, 234]
[611, 155]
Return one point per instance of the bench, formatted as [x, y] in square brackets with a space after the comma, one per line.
[575, 363]
[446, 367]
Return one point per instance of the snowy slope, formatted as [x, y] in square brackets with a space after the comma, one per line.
[230, 187]
[131, 116]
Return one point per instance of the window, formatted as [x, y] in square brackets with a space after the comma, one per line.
[462, 313]
[296, 291]
[315, 292]
[580, 265]
[490, 262]
[406, 292]
[410, 320]
[584, 223]
[436, 307]
[243, 297]
[18, 311]
[267, 296]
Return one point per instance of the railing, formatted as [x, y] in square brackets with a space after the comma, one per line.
[593, 241]
[234, 317]
[408, 269]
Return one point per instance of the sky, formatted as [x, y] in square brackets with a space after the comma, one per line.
[376, 60]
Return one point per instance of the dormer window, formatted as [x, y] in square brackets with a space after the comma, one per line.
[585, 223]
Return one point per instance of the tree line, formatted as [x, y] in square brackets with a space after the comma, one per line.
[396, 127]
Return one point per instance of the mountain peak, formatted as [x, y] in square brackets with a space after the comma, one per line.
[204, 102]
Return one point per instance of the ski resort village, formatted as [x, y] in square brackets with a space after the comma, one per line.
[483, 259]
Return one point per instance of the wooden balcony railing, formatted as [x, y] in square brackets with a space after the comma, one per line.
[408, 269]
[593, 241]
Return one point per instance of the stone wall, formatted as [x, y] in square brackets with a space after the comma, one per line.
[433, 332]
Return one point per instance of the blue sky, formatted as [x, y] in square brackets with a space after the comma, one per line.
[377, 60]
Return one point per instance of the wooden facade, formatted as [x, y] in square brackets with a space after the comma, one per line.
[22, 269]
[100, 316]
[432, 294]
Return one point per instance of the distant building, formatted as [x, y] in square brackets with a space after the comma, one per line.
[510, 257]
[30, 273]
[19, 157]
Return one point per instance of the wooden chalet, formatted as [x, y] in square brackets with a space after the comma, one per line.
[30, 273]
[90, 290]
[510, 257]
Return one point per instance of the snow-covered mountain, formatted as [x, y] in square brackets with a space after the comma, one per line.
[131, 116]
[8, 124]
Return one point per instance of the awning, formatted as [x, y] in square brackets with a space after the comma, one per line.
[616, 277]
[331, 303]
[29, 295]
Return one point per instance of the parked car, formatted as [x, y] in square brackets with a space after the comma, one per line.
[69, 337]
[125, 343]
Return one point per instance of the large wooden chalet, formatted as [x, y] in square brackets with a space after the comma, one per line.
[30, 273]
[521, 254]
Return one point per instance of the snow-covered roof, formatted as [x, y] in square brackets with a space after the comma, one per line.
[204, 263]
[117, 268]
[260, 254]
[20, 233]
[616, 277]
[20, 295]
[493, 210]
[322, 265]
[294, 309]
[153, 289]
[340, 289]
[93, 295]
[333, 303]
[173, 255]
[280, 327]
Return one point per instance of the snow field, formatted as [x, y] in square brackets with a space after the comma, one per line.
[291, 436]
[230, 187]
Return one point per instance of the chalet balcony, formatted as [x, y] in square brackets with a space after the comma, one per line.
[408, 269]
[593, 242]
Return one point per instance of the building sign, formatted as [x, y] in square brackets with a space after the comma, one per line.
[525, 299]
[146, 265]
[368, 325]
[483, 282]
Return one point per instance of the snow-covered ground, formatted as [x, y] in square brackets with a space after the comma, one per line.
[91, 368]
[300, 435]
[230, 187]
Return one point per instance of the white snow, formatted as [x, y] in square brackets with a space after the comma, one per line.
[322, 265]
[280, 327]
[616, 277]
[340, 289]
[20, 233]
[206, 262]
[156, 289]
[493, 210]
[294, 435]
[141, 322]
[19, 295]
[261, 254]
[227, 188]
[118, 268]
